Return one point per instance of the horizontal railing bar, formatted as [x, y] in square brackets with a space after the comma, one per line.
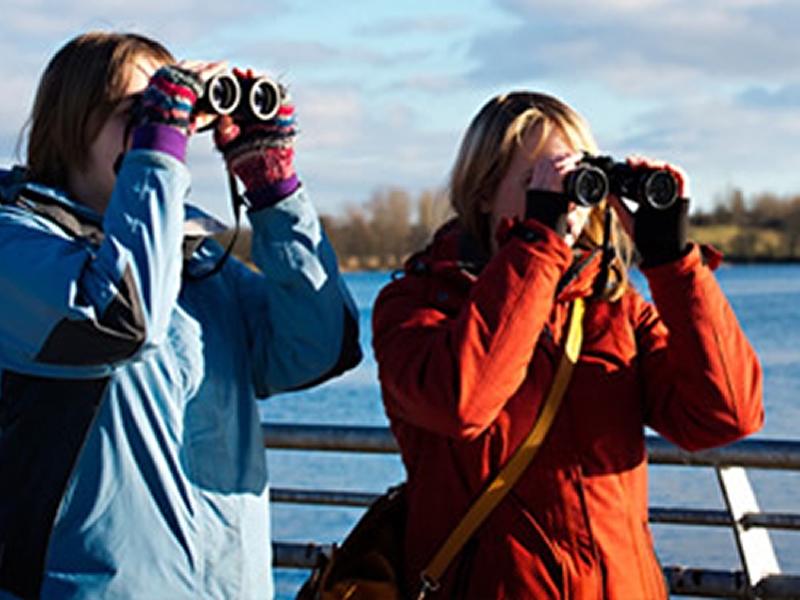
[721, 518]
[660, 515]
[337, 438]
[787, 521]
[778, 586]
[292, 555]
[689, 516]
[322, 497]
[682, 581]
[751, 453]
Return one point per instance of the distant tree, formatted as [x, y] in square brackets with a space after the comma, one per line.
[769, 211]
[360, 239]
[433, 210]
[792, 228]
[738, 207]
[391, 222]
[730, 208]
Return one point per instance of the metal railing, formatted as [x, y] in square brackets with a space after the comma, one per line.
[760, 576]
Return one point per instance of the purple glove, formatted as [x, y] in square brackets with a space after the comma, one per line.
[170, 97]
[165, 118]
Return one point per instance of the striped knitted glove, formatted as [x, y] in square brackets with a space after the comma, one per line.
[261, 153]
[170, 98]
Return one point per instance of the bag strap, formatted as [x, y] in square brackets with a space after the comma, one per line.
[516, 465]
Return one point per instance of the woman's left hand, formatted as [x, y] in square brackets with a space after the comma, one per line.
[173, 91]
[660, 234]
[626, 216]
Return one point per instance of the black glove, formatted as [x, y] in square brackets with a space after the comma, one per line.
[549, 208]
[661, 235]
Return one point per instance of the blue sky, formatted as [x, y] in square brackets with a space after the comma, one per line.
[384, 90]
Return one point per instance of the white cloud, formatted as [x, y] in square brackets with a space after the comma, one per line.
[720, 144]
[712, 40]
[413, 25]
[330, 116]
[384, 91]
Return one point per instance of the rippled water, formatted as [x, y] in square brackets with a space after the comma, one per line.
[767, 302]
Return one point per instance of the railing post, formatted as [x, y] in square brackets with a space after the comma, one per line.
[754, 544]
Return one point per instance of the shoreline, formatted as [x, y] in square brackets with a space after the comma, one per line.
[726, 261]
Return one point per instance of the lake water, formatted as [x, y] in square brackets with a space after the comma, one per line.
[766, 300]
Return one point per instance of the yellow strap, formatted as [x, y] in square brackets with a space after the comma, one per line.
[517, 464]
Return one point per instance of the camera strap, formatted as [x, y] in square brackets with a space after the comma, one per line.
[608, 255]
[237, 201]
[517, 463]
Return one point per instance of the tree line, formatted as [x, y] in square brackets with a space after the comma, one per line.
[391, 224]
[765, 228]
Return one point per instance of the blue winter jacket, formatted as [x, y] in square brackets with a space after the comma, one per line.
[132, 463]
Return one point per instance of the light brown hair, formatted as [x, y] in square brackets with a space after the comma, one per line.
[78, 91]
[486, 152]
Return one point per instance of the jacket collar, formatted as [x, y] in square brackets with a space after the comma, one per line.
[453, 250]
[81, 221]
[450, 249]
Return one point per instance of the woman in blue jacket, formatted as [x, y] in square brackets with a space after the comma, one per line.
[131, 351]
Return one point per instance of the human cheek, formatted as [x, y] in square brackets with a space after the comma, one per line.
[509, 203]
[515, 205]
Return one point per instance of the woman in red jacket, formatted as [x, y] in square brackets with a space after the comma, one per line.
[468, 340]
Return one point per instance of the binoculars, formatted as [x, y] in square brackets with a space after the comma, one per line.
[252, 98]
[597, 176]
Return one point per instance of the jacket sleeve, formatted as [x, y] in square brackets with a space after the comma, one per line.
[299, 313]
[451, 371]
[68, 304]
[702, 379]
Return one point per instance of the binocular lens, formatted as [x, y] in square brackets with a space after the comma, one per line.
[587, 186]
[596, 176]
[264, 99]
[660, 189]
[223, 93]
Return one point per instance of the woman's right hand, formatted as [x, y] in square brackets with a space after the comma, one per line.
[173, 91]
[545, 198]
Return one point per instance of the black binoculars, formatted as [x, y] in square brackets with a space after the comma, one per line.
[597, 176]
[257, 98]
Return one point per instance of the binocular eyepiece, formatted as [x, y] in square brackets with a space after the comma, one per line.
[251, 98]
[597, 176]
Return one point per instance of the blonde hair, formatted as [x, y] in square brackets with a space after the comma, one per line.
[78, 91]
[486, 152]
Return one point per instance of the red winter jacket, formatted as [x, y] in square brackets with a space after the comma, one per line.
[465, 359]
